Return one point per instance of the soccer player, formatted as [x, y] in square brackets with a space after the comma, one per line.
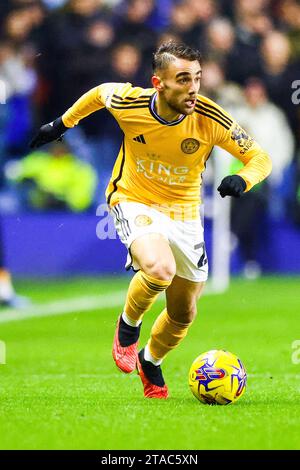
[154, 196]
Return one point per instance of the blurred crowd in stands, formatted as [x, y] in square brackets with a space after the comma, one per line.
[52, 51]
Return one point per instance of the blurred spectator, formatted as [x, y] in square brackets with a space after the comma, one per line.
[17, 26]
[55, 180]
[19, 80]
[220, 39]
[18, 23]
[278, 74]
[189, 19]
[85, 8]
[289, 13]
[203, 11]
[215, 86]
[90, 65]
[125, 66]
[244, 8]
[14, 71]
[90, 61]
[252, 23]
[220, 35]
[184, 24]
[59, 60]
[72, 64]
[132, 25]
[268, 125]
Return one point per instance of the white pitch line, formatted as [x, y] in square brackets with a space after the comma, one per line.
[62, 307]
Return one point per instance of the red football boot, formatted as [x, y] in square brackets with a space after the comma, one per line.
[125, 346]
[152, 378]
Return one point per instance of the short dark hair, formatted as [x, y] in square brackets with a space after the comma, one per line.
[167, 51]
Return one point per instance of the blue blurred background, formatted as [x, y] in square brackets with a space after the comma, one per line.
[52, 51]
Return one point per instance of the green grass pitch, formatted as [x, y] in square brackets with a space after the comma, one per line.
[61, 390]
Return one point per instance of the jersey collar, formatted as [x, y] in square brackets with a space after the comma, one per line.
[160, 119]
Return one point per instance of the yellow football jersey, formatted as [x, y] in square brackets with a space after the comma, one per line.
[160, 163]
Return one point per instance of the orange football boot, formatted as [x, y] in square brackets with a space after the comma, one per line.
[125, 346]
[152, 378]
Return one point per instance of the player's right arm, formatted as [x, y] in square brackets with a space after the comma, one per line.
[87, 104]
[230, 136]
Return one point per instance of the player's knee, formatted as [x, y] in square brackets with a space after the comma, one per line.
[161, 269]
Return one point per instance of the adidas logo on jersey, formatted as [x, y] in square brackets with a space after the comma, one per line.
[140, 139]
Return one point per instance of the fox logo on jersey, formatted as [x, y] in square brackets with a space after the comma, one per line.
[190, 145]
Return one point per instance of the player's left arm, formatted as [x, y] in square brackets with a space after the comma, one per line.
[257, 163]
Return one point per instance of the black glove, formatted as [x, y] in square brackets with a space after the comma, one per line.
[49, 132]
[233, 185]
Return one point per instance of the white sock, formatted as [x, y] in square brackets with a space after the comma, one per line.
[148, 357]
[129, 321]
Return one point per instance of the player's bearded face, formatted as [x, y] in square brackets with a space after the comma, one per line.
[180, 85]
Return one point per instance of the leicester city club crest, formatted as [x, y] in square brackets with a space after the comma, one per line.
[190, 145]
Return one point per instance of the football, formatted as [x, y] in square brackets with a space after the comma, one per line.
[217, 377]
